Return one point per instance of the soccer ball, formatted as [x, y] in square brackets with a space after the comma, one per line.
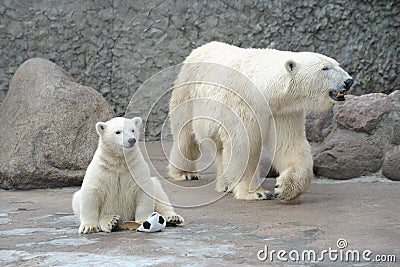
[154, 223]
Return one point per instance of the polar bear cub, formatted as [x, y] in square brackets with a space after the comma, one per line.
[117, 185]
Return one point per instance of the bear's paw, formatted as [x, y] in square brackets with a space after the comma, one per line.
[259, 194]
[109, 223]
[191, 176]
[89, 228]
[286, 188]
[174, 219]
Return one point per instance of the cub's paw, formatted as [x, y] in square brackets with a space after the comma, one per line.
[174, 219]
[89, 228]
[109, 223]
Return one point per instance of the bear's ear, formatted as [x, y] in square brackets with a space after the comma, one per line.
[290, 66]
[100, 128]
[137, 121]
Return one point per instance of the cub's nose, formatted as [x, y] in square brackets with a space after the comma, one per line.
[132, 140]
[348, 83]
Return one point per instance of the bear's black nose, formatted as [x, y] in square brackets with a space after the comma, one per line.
[132, 140]
[348, 83]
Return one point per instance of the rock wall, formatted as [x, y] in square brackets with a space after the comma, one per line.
[115, 45]
[357, 137]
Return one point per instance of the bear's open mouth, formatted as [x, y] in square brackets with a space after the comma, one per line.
[338, 95]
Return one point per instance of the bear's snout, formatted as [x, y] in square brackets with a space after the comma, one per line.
[132, 141]
[348, 83]
[338, 94]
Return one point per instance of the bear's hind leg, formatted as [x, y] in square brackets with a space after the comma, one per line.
[242, 174]
[221, 185]
[185, 151]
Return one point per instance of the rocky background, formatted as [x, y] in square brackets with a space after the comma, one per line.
[48, 136]
[114, 46]
[358, 137]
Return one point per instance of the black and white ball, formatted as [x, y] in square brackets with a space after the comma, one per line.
[154, 223]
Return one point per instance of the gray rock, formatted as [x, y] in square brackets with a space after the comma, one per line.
[391, 164]
[346, 155]
[363, 113]
[47, 137]
[318, 125]
[394, 117]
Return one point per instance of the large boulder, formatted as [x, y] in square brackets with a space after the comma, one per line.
[318, 125]
[345, 156]
[363, 113]
[47, 134]
[391, 164]
[357, 137]
[394, 117]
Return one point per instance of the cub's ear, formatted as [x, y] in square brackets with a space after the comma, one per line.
[100, 128]
[290, 66]
[137, 121]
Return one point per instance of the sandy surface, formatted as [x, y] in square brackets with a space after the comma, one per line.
[37, 227]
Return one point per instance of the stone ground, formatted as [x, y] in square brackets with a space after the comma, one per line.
[37, 227]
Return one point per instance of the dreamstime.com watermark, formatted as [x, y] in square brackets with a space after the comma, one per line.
[340, 253]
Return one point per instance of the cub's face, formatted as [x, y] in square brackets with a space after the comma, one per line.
[318, 80]
[119, 133]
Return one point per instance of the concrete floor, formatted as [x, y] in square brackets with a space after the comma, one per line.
[37, 227]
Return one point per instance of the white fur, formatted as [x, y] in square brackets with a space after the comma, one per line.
[117, 185]
[237, 107]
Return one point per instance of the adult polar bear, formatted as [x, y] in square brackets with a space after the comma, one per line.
[234, 115]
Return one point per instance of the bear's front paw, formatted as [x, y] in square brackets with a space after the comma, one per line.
[109, 223]
[89, 228]
[286, 189]
[174, 219]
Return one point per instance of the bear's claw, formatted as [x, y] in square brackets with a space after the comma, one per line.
[287, 188]
[279, 191]
[89, 228]
[190, 177]
[110, 223]
[265, 195]
[174, 219]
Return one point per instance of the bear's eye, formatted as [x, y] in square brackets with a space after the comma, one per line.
[325, 68]
[133, 131]
[118, 132]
